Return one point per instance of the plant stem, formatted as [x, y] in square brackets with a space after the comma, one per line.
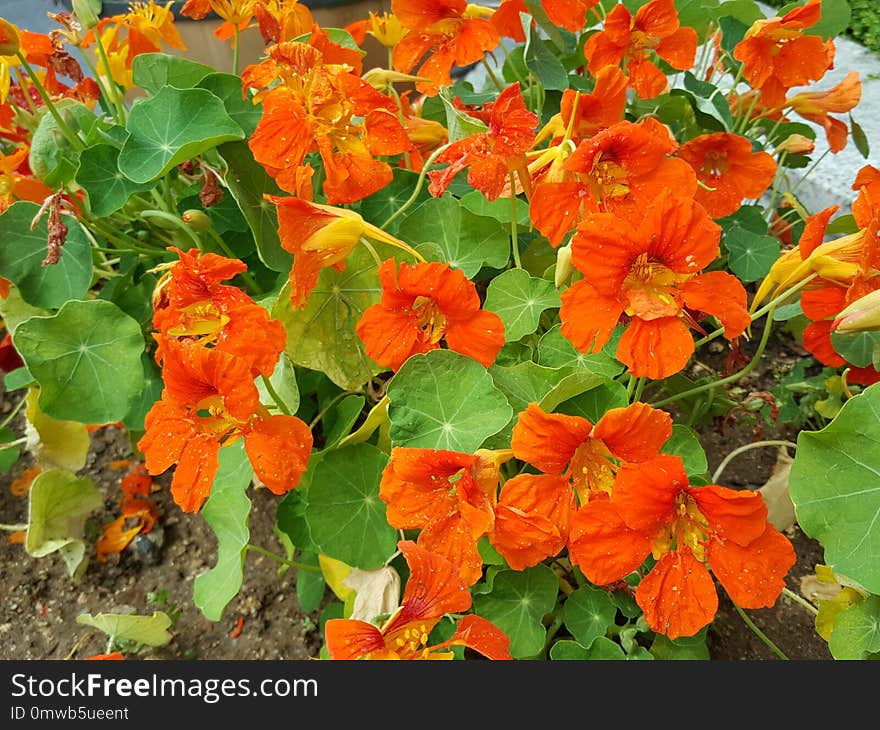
[747, 447]
[491, 73]
[723, 381]
[418, 189]
[10, 444]
[800, 600]
[117, 94]
[760, 634]
[235, 47]
[640, 386]
[63, 126]
[176, 221]
[338, 397]
[13, 412]
[284, 561]
[274, 394]
[514, 233]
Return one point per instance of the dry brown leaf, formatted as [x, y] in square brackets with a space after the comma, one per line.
[780, 508]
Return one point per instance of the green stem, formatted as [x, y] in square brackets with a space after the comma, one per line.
[282, 406]
[10, 444]
[284, 561]
[176, 221]
[235, 48]
[748, 447]
[418, 188]
[12, 413]
[640, 386]
[13, 528]
[338, 397]
[53, 110]
[514, 233]
[800, 600]
[760, 634]
[808, 171]
[248, 278]
[553, 629]
[106, 99]
[491, 74]
[723, 381]
[117, 94]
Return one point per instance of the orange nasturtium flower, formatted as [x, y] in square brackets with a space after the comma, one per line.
[649, 269]
[628, 40]
[449, 496]
[570, 14]
[421, 305]
[777, 55]
[323, 107]
[385, 28]
[448, 32]
[491, 156]
[282, 20]
[578, 461]
[653, 510]
[16, 181]
[320, 236]
[148, 26]
[619, 170]
[434, 589]
[816, 106]
[728, 169]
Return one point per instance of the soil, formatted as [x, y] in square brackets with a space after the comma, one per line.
[40, 604]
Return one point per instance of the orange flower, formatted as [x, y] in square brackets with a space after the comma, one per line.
[423, 304]
[620, 170]
[507, 21]
[434, 589]
[148, 26]
[649, 268]
[17, 181]
[385, 28]
[653, 510]
[448, 32]
[282, 20]
[138, 513]
[776, 55]
[726, 164]
[319, 236]
[578, 461]
[322, 107]
[628, 41]
[232, 11]
[493, 154]
[817, 105]
[447, 495]
[570, 14]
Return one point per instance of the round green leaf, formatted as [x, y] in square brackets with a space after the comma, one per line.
[173, 126]
[87, 360]
[684, 443]
[589, 613]
[856, 631]
[152, 71]
[517, 605]
[556, 351]
[750, 255]
[23, 250]
[227, 88]
[108, 189]
[149, 630]
[500, 209]
[226, 511]
[344, 514]
[857, 348]
[684, 648]
[444, 400]
[519, 299]
[835, 487]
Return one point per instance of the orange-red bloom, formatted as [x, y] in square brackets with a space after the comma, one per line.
[578, 461]
[690, 531]
[728, 169]
[423, 304]
[649, 268]
[628, 40]
[817, 106]
[492, 155]
[777, 55]
[434, 589]
[570, 14]
[620, 170]
[282, 20]
[447, 495]
[442, 34]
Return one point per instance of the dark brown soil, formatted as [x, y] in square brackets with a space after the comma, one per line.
[37, 615]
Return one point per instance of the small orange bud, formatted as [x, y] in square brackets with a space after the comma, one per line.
[795, 144]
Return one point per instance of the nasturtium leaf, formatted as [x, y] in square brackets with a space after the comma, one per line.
[248, 183]
[87, 360]
[750, 256]
[381, 205]
[568, 650]
[149, 630]
[8, 454]
[856, 632]
[18, 379]
[750, 217]
[555, 351]
[685, 648]
[517, 605]
[709, 103]
[310, 585]
[226, 511]
[283, 382]
[684, 443]
[594, 403]
[860, 139]
[520, 299]
[290, 515]
[54, 443]
[59, 505]
[322, 336]
[227, 88]
[696, 14]
[341, 418]
[173, 126]
[589, 613]
[836, 16]
[152, 71]
[542, 60]
[107, 188]
[835, 487]
[842, 224]
[464, 240]
[52, 158]
[345, 516]
[500, 209]
[745, 11]
[152, 391]
[857, 348]
[23, 250]
[444, 400]
[458, 124]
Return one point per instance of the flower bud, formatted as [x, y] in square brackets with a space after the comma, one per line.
[197, 220]
[87, 12]
[9, 43]
[564, 267]
[795, 144]
[862, 314]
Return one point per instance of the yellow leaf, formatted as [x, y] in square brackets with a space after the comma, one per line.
[335, 572]
[53, 443]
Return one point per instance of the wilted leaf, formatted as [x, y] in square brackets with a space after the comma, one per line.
[780, 509]
[149, 630]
